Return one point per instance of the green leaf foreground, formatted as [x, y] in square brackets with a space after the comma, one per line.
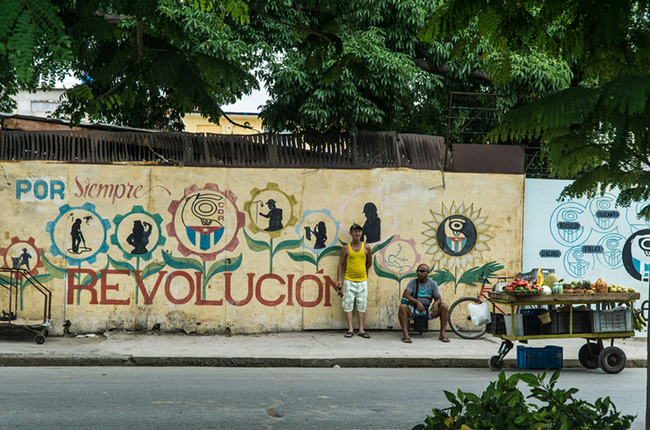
[503, 406]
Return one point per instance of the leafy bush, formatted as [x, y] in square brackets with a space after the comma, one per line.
[502, 406]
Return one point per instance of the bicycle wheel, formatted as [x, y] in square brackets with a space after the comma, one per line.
[460, 321]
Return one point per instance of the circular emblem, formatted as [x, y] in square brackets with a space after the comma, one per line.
[22, 254]
[270, 210]
[138, 233]
[78, 234]
[205, 221]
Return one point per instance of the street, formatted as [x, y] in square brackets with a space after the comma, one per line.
[274, 398]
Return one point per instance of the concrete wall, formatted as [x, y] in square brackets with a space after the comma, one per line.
[200, 249]
[586, 238]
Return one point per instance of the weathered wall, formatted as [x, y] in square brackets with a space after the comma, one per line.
[586, 238]
[201, 249]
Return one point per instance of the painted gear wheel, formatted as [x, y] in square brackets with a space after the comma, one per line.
[29, 243]
[174, 207]
[117, 220]
[273, 187]
[385, 259]
[72, 261]
[300, 233]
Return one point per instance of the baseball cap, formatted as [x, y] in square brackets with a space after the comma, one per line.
[355, 226]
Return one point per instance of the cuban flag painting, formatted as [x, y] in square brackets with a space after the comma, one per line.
[204, 236]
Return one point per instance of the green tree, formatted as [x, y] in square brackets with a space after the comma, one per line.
[366, 68]
[596, 131]
[142, 63]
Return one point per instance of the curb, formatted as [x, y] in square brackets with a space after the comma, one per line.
[68, 361]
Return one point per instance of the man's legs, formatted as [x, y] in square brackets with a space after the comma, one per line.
[404, 314]
[362, 317]
[443, 313]
[348, 318]
[362, 303]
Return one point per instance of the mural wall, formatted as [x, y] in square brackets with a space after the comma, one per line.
[586, 238]
[197, 249]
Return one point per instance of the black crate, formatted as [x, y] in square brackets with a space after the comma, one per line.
[581, 322]
[532, 323]
[498, 324]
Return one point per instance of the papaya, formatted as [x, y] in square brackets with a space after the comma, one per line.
[600, 286]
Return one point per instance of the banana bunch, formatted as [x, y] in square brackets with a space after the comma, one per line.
[638, 322]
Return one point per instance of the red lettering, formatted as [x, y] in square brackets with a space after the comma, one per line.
[249, 296]
[89, 190]
[79, 193]
[117, 188]
[299, 299]
[258, 290]
[199, 299]
[329, 283]
[168, 284]
[290, 290]
[106, 286]
[128, 196]
[148, 298]
[90, 287]
[106, 188]
[135, 192]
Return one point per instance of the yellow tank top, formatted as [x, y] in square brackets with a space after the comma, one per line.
[355, 264]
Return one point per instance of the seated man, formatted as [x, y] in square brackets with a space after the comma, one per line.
[427, 292]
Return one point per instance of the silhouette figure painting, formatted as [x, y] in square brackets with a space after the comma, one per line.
[274, 216]
[139, 237]
[320, 234]
[21, 260]
[372, 227]
[78, 238]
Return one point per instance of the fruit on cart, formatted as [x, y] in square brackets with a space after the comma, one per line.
[546, 290]
[521, 286]
[600, 286]
[550, 280]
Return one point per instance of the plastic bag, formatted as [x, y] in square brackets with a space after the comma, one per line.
[480, 313]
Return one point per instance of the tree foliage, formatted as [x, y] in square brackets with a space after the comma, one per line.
[330, 65]
[141, 63]
[596, 131]
[369, 70]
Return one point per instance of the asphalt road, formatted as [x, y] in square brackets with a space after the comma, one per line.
[264, 398]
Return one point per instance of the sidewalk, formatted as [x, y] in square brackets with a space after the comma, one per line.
[323, 348]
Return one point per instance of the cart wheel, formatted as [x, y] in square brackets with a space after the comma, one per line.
[588, 355]
[39, 339]
[496, 363]
[612, 359]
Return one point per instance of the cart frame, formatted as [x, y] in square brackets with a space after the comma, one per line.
[592, 355]
[13, 280]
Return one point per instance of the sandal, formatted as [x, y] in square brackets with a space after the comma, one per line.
[349, 334]
[364, 335]
[444, 338]
[407, 340]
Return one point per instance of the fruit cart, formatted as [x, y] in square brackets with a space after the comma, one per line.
[568, 316]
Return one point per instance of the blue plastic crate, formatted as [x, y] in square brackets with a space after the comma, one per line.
[549, 357]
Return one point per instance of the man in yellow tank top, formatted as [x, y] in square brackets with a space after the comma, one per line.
[356, 259]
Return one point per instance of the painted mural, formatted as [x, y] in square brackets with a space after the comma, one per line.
[202, 250]
[586, 238]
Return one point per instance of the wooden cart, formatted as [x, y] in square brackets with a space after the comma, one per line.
[593, 354]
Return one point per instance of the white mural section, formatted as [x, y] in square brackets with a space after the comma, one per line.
[586, 238]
